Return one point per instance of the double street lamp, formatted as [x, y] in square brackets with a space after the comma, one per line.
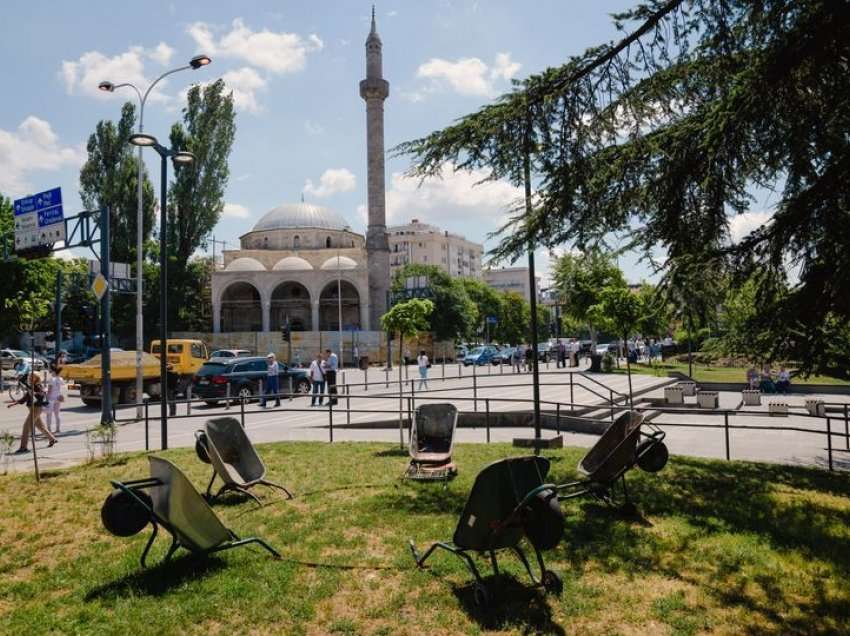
[199, 61]
[180, 158]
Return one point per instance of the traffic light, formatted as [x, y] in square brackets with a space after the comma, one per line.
[285, 332]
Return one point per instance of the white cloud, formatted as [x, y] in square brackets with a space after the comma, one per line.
[85, 74]
[469, 76]
[332, 181]
[245, 82]
[455, 197]
[740, 225]
[236, 211]
[33, 147]
[277, 52]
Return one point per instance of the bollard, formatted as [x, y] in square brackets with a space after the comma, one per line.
[387, 378]
[262, 394]
[501, 367]
[147, 422]
[331, 420]
[475, 392]
[829, 441]
[290, 388]
[366, 379]
[242, 410]
[227, 397]
[347, 404]
[487, 418]
[572, 399]
[189, 399]
[726, 427]
[558, 418]
[459, 370]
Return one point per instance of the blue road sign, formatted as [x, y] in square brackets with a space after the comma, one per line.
[50, 216]
[492, 320]
[38, 202]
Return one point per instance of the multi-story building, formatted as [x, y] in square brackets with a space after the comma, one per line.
[429, 245]
[513, 279]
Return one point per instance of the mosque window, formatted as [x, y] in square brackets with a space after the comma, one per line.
[296, 242]
[328, 242]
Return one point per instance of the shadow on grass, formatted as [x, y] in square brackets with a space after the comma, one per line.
[512, 604]
[392, 452]
[159, 579]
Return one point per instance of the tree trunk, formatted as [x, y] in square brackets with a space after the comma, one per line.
[690, 353]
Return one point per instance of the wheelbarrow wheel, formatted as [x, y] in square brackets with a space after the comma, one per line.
[652, 456]
[552, 583]
[482, 596]
[123, 515]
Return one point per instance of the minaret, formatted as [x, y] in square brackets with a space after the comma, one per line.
[375, 89]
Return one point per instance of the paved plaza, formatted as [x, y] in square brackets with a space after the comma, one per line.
[494, 389]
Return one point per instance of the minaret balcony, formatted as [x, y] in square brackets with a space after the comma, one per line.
[374, 88]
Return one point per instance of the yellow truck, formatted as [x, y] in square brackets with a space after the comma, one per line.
[184, 356]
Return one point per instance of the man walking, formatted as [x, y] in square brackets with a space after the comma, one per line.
[317, 377]
[272, 380]
[330, 375]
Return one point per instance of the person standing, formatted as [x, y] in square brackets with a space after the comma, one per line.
[423, 363]
[332, 364]
[272, 381]
[55, 397]
[35, 399]
[516, 358]
[317, 377]
[783, 380]
[562, 355]
[356, 357]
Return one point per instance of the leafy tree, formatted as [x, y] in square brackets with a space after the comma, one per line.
[488, 302]
[514, 318]
[407, 319]
[623, 310]
[666, 132]
[580, 279]
[455, 316]
[656, 319]
[109, 178]
[196, 196]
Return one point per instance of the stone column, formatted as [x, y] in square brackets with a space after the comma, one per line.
[217, 316]
[267, 307]
[365, 323]
[315, 306]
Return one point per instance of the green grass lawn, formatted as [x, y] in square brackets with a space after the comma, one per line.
[703, 373]
[724, 547]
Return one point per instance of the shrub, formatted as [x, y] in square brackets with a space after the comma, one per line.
[607, 363]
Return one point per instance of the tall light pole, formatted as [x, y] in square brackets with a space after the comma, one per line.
[339, 302]
[196, 62]
[180, 158]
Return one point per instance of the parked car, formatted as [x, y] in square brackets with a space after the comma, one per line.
[10, 357]
[244, 376]
[608, 347]
[460, 352]
[544, 351]
[230, 353]
[504, 356]
[480, 355]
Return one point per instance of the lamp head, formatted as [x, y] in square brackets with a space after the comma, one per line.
[199, 60]
[106, 87]
[183, 158]
[142, 139]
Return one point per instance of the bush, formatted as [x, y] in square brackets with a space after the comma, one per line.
[607, 363]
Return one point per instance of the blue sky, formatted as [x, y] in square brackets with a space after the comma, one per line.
[294, 68]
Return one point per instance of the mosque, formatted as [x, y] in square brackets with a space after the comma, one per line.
[300, 259]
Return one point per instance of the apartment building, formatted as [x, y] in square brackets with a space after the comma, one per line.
[429, 245]
[513, 279]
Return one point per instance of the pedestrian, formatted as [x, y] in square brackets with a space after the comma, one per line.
[424, 364]
[783, 380]
[172, 385]
[562, 356]
[331, 366]
[516, 359]
[272, 381]
[356, 356]
[36, 400]
[317, 377]
[55, 397]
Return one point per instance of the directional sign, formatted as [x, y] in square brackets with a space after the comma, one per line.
[39, 220]
[491, 320]
[99, 286]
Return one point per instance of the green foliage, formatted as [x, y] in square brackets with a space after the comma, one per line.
[666, 132]
[408, 318]
[580, 279]
[109, 178]
[487, 301]
[28, 313]
[656, 316]
[619, 308]
[455, 316]
[514, 318]
[607, 362]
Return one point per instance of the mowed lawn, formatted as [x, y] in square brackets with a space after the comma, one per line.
[706, 373]
[721, 547]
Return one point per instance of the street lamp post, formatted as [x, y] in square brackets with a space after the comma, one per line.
[196, 62]
[179, 158]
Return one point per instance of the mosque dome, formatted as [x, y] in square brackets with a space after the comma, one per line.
[339, 262]
[300, 215]
[245, 264]
[292, 264]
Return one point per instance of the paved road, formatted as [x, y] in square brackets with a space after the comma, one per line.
[298, 421]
